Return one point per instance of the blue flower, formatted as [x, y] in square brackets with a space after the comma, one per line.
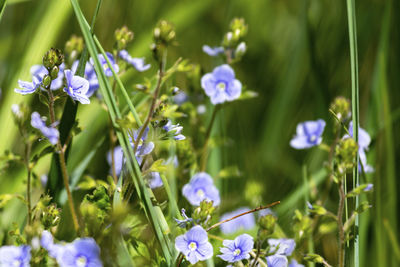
[213, 51]
[244, 222]
[90, 75]
[175, 130]
[103, 63]
[201, 187]
[155, 180]
[368, 188]
[47, 242]
[15, 256]
[82, 252]
[238, 249]
[282, 246]
[294, 263]
[27, 87]
[77, 87]
[39, 71]
[118, 159]
[277, 261]
[186, 220]
[49, 132]
[308, 134]
[194, 245]
[137, 63]
[221, 85]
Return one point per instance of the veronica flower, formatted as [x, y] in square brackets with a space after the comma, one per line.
[213, 51]
[238, 249]
[47, 242]
[90, 75]
[201, 187]
[294, 263]
[83, 252]
[118, 159]
[194, 245]
[155, 180]
[77, 87]
[282, 246]
[244, 222]
[368, 188]
[39, 71]
[15, 256]
[308, 134]
[27, 87]
[221, 85]
[186, 220]
[103, 63]
[175, 130]
[49, 132]
[137, 63]
[277, 261]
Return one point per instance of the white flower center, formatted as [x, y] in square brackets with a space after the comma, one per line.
[105, 66]
[81, 261]
[200, 193]
[192, 246]
[237, 252]
[313, 138]
[16, 263]
[221, 86]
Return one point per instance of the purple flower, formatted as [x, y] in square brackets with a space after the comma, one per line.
[213, 51]
[39, 71]
[194, 245]
[144, 147]
[294, 263]
[15, 256]
[90, 75]
[82, 252]
[181, 97]
[244, 222]
[186, 220]
[47, 242]
[201, 187]
[175, 130]
[49, 132]
[221, 85]
[103, 63]
[282, 246]
[277, 261]
[155, 180]
[77, 87]
[118, 159]
[368, 188]
[27, 87]
[137, 63]
[238, 249]
[308, 134]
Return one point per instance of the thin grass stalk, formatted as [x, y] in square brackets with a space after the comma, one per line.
[351, 16]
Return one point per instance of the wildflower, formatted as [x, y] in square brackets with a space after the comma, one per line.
[144, 147]
[282, 246]
[103, 63]
[47, 242]
[244, 222]
[180, 98]
[27, 87]
[49, 132]
[368, 188]
[213, 51]
[82, 252]
[294, 263]
[201, 187]
[308, 134]
[77, 87]
[15, 256]
[39, 71]
[155, 180]
[277, 261]
[118, 159]
[194, 245]
[16, 111]
[238, 249]
[221, 85]
[90, 75]
[240, 49]
[175, 130]
[186, 220]
[137, 63]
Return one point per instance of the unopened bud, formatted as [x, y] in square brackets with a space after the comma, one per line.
[46, 81]
[54, 73]
[341, 107]
[164, 33]
[52, 58]
[346, 151]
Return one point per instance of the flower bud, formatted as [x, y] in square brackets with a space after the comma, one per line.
[123, 36]
[346, 151]
[267, 225]
[52, 58]
[238, 27]
[341, 107]
[240, 50]
[54, 73]
[46, 81]
[164, 33]
[314, 258]
[74, 45]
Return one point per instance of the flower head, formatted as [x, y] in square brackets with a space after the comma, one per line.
[15, 256]
[244, 222]
[282, 246]
[175, 130]
[137, 63]
[90, 75]
[144, 147]
[155, 180]
[294, 263]
[77, 87]
[118, 159]
[308, 134]
[238, 249]
[49, 132]
[47, 242]
[201, 187]
[103, 63]
[194, 245]
[221, 85]
[213, 51]
[82, 252]
[277, 261]
[39, 71]
[27, 87]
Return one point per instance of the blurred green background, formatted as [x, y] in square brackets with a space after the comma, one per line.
[298, 61]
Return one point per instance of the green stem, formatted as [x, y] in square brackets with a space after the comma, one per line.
[306, 198]
[28, 185]
[341, 241]
[207, 138]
